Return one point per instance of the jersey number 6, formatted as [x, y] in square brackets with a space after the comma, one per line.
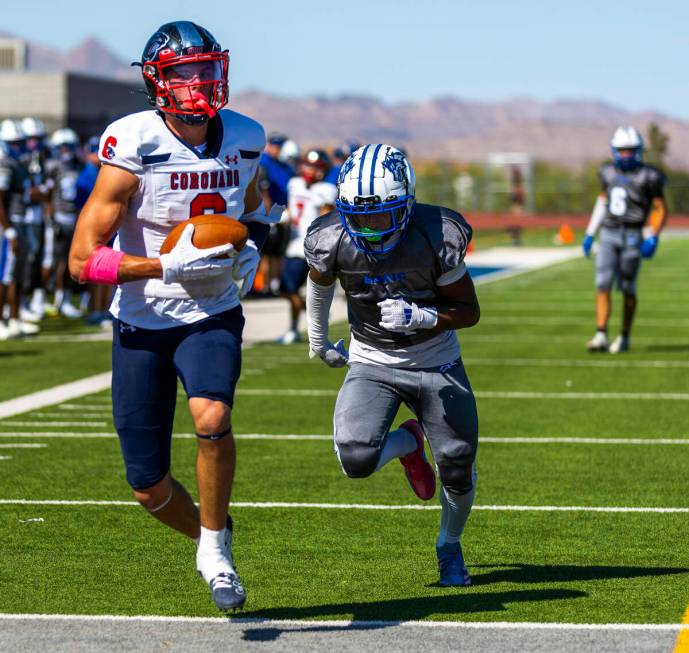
[207, 203]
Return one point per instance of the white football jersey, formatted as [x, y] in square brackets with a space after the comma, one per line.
[305, 204]
[177, 182]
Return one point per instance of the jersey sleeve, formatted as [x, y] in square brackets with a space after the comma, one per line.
[5, 177]
[656, 183]
[456, 236]
[604, 177]
[120, 147]
[320, 244]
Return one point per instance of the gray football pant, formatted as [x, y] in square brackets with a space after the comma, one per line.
[443, 402]
[619, 257]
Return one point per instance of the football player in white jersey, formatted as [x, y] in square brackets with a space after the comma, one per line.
[179, 314]
[308, 196]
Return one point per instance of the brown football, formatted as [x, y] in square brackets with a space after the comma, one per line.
[209, 230]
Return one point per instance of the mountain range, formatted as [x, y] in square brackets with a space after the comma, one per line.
[568, 131]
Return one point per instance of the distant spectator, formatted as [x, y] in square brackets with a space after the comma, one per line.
[274, 174]
[309, 197]
[340, 155]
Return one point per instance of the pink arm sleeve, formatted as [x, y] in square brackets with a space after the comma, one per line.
[102, 266]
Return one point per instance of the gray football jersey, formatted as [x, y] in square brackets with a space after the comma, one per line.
[630, 194]
[16, 181]
[435, 243]
[64, 180]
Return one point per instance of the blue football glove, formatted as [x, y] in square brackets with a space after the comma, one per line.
[587, 244]
[648, 246]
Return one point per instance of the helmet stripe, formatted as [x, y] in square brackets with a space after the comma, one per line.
[361, 169]
[373, 165]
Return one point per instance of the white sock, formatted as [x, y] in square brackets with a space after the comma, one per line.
[454, 514]
[59, 298]
[397, 443]
[212, 558]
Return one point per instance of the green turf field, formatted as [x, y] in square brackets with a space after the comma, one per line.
[310, 562]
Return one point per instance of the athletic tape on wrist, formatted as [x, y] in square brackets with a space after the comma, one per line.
[102, 266]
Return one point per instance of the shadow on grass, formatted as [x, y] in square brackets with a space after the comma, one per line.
[19, 352]
[521, 573]
[672, 348]
[453, 601]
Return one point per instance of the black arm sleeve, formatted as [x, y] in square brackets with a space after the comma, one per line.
[258, 232]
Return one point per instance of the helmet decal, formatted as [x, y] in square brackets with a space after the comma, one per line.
[395, 162]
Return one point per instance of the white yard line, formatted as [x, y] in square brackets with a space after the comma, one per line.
[84, 407]
[296, 437]
[480, 625]
[92, 414]
[23, 446]
[485, 394]
[571, 322]
[563, 362]
[359, 506]
[42, 423]
[5, 457]
[55, 395]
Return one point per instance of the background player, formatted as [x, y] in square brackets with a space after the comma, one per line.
[632, 192]
[177, 315]
[308, 197]
[62, 172]
[401, 265]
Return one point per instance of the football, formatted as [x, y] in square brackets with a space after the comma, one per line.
[209, 230]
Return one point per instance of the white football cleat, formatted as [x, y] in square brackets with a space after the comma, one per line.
[4, 331]
[69, 311]
[599, 342]
[17, 328]
[289, 338]
[27, 315]
[619, 345]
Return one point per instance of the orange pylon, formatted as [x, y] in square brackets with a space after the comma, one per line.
[566, 235]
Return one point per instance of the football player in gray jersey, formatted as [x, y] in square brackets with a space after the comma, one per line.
[632, 195]
[401, 265]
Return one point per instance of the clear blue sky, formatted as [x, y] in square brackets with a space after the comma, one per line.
[634, 54]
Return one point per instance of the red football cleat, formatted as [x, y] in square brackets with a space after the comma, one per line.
[419, 471]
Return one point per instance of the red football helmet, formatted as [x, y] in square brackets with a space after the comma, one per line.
[313, 166]
[185, 72]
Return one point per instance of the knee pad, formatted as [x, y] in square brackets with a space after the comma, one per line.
[456, 477]
[358, 460]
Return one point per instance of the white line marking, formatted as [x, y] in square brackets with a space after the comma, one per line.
[596, 396]
[23, 446]
[40, 423]
[479, 625]
[5, 457]
[560, 362]
[84, 407]
[102, 414]
[575, 440]
[485, 394]
[55, 395]
[107, 435]
[569, 321]
[358, 506]
[472, 337]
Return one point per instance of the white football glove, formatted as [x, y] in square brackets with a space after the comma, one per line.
[401, 316]
[332, 355]
[245, 266]
[186, 262]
